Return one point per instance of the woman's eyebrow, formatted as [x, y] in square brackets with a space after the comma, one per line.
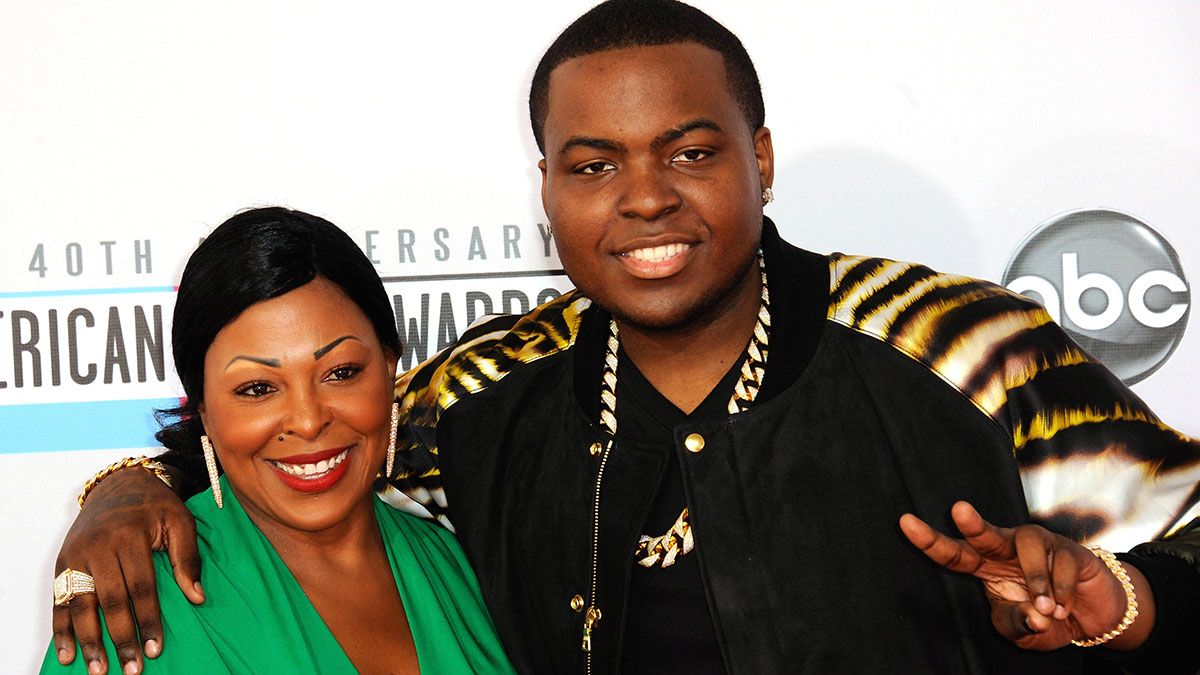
[274, 363]
[325, 350]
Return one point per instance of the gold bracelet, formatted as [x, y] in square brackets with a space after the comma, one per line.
[1131, 606]
[143, 461]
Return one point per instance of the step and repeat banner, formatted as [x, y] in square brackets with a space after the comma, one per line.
[1050, 147]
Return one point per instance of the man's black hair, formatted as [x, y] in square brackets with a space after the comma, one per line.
[618, 24]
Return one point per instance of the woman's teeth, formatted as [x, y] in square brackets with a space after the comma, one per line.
[313, 470]
[656, 254]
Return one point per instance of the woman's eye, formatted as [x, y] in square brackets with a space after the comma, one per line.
[343, 373]
[255, 389]
[691, 155]
[594, 168]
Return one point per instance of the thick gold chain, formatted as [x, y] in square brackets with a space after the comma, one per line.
[677, 541]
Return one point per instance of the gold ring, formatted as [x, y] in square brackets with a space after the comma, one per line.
[71, 583]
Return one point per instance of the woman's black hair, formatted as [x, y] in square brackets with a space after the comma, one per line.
[256, 255]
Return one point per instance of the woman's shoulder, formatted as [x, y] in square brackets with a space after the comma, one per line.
[441, 593]
[425, 541]
[416, 528]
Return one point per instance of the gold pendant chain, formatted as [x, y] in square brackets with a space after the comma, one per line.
[678, 540]
[665, 548]
[744, 392]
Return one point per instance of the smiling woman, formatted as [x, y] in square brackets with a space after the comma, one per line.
[306, 367]
[284, 341]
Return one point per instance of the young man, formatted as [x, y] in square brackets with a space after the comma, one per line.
[697, 462]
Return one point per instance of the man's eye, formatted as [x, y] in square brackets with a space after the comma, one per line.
[691, 155]
[255, 389]
[594, 168]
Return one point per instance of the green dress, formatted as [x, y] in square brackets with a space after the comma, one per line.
[256, 618]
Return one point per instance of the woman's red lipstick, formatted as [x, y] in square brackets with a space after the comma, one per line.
[312, 472]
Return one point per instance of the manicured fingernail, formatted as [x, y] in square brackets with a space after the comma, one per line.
[94, 668]
[63, 655]
[1060, 612]
[199, 589]
[152, 649]
[131, 668]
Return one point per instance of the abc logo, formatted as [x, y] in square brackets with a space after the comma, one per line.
[1113, 283]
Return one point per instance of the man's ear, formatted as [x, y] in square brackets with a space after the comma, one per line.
[542, 168]
[764, 153]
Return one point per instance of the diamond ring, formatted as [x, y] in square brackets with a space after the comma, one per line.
[71, 583]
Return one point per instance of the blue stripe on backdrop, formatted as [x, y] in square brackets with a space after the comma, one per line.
[89, 425]
[88, 291]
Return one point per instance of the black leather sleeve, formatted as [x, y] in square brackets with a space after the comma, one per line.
[1172, 566]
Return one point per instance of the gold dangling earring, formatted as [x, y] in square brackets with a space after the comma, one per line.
[210, 460]
[391, 451]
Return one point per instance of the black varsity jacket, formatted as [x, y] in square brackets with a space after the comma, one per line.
[890, 388]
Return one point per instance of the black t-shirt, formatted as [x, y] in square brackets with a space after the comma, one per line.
[668, 627]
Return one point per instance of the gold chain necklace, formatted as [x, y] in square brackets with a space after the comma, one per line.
[678, 540]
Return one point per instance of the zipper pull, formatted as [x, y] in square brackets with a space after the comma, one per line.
[589, 624]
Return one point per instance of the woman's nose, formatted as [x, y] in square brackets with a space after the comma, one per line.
[307, 414]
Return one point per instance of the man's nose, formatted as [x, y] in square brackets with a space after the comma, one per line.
[649, 191]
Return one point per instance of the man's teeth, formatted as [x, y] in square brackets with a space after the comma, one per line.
[656, 254]
[313, 470]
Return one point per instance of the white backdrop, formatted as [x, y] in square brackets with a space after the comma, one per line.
[942, 132]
